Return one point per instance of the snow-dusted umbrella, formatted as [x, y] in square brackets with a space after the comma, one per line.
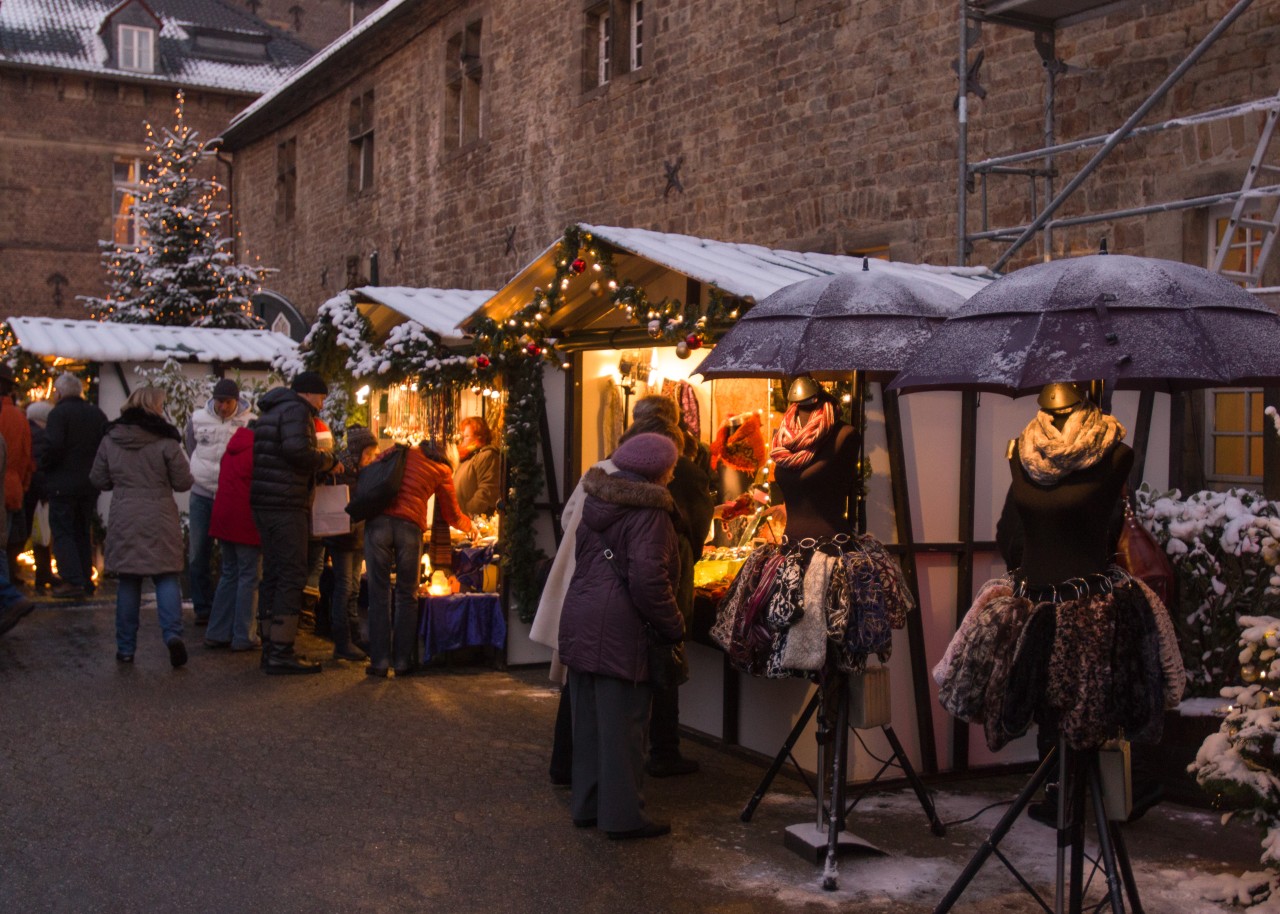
[1133, 322]
[829, 326]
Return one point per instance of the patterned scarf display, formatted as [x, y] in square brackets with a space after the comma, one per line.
[1048, 454]
[794, 446]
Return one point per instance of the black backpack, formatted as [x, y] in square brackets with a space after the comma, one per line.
[378, 484]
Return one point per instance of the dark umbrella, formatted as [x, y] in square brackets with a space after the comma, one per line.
[1133, 322]
[829, 326]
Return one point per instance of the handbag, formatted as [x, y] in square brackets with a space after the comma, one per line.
[41, 535]
[378, 484]
[329, 515]
[1138, 553]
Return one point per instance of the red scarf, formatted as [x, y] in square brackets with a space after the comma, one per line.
[794, 446]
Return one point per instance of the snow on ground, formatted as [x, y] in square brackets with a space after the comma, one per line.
[907, 880]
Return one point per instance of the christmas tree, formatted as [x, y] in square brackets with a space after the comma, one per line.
[181, 272]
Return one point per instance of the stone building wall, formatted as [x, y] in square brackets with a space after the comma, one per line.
[823, 125]
[59, 137]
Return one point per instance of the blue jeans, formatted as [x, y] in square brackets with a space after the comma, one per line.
[285, 536]
[200, 554]
[392, 544]
[8, 593]
[344, 610]
[70, 517]
[129, 603]
[235, 602]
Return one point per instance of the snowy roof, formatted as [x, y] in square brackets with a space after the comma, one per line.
[277, 97]
[100, 341]
[65, 35]
[748, 271]
[438, 310]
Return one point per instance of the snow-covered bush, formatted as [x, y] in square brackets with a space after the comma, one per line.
[1225, 547]
[1239, 766]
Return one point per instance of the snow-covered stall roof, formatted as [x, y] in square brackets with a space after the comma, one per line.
[748, 271]
[439, 310]
[65, 35]
[100, 341]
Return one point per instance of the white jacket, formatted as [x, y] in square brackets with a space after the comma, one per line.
[206, 438]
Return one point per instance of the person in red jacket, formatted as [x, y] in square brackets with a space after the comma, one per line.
[235, 602]
[18, 468]
[393, 541]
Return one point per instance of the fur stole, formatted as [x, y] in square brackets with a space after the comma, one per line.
[742, 448]
[624, 489]
[157, 425]
[1048, 454]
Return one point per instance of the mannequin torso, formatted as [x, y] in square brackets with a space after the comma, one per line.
[817, 495]
[1067, 524]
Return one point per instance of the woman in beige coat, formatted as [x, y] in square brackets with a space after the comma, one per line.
[142, 463]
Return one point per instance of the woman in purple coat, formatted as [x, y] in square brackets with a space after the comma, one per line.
[624, 582]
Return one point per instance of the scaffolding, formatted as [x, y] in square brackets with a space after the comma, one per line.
[1256, 206]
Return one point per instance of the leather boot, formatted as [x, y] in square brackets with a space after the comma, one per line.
[277, 652]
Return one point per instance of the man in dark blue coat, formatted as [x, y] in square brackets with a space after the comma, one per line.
[286, 460]
[72, 436]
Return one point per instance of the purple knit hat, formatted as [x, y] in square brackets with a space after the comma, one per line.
[649, 455]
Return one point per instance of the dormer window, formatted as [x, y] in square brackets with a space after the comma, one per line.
[136, 48]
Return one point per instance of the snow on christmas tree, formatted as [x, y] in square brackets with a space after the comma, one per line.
[1240, 764]
[182, 271]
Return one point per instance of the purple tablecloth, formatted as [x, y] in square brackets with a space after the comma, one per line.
[461, 620]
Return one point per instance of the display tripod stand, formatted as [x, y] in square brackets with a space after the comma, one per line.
[1079, 778]
[828, 835]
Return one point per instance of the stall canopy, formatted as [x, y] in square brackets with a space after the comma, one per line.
[102, 341]
[746, 271]
[439, 311]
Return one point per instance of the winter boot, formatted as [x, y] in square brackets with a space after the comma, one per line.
[278, 657]
[343, 646]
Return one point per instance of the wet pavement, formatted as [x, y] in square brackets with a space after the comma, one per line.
[217, 789]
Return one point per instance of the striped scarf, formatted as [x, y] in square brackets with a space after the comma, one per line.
[794, 446]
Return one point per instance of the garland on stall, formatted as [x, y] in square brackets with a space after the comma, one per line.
[512, 353]
[30, 371]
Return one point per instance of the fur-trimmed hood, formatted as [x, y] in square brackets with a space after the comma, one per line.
[611, 496]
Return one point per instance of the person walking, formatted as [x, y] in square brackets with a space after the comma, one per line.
[37, 494]
[18, 467]
[286, 461]
[142, 464]
[393, 542]
[235, 601]
[72, 437]
[347, 550]
[205, 439]
[624, 581]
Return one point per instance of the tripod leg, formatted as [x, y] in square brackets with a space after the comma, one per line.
[1126, 868]
[1078, 786]
[779, 760]
[997, 834]
[1105, 850]
[839, 761]
[926, 803]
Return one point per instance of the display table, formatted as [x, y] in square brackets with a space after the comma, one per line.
[461, 620]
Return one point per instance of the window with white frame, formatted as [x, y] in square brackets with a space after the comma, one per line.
[1234, 419]
[613, 41]
[135, 48]
[1243, 247]
[126, 181]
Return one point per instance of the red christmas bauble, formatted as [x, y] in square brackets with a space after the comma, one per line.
[578, 266]
[694, 341]
[482, 361]
[533, 349]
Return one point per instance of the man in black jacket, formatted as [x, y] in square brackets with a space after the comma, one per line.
[72, 436]
[286, 460]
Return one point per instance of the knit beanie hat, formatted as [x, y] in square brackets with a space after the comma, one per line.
[310, 382]
[649, 455]
[359, 438]
[226, 389]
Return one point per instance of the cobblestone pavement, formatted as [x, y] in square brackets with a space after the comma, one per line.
[217, 789]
